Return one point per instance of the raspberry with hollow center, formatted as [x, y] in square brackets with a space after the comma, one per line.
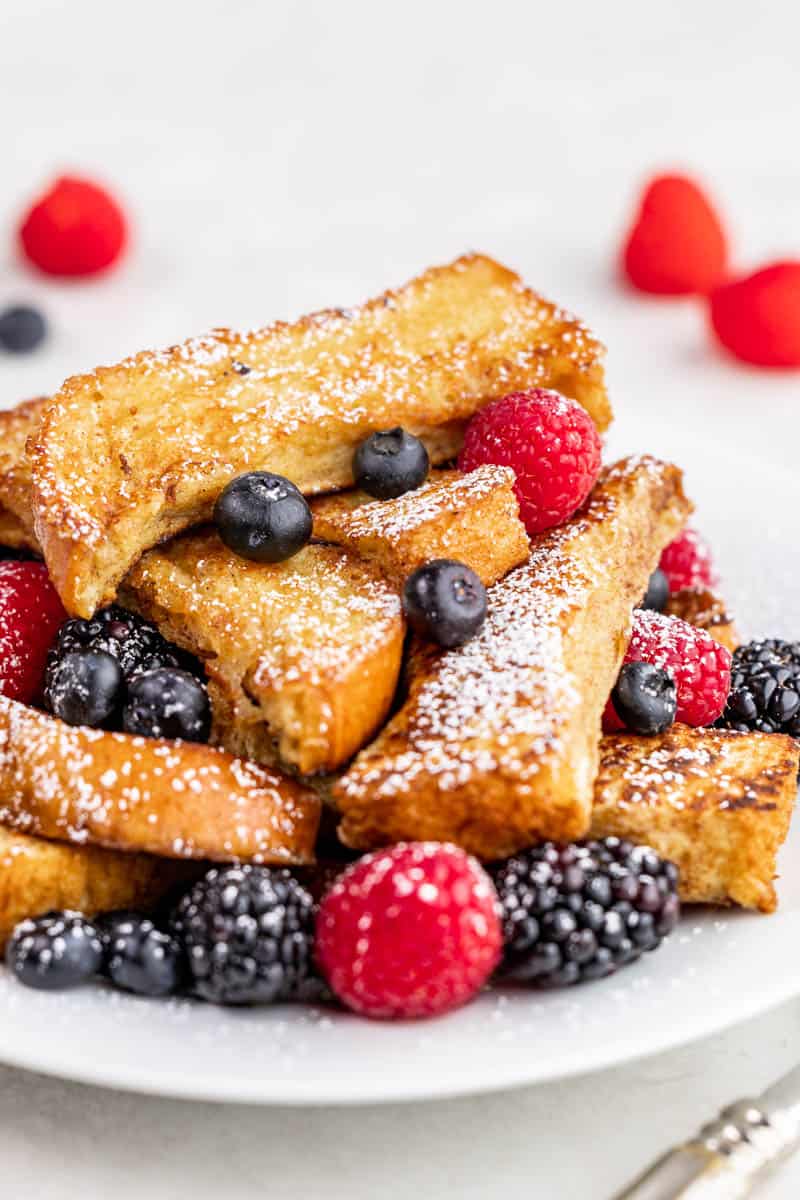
[75, 228]
[686, 562]
[700, 666]
[552, 445]
[757, 319]
[30, 616]
[677, 245]
[410, 931]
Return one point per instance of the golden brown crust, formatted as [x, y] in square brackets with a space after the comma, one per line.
[174, 799]
[16, 515]
[38, 875]
[705, 610]
[473, 518]
[130, 455]
[717, 803]
[496, 745]
[302, 657]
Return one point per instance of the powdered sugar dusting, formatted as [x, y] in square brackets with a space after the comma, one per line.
[445, 492]
[500, 702]
[176, 799]
[693, 768]
[122, 440]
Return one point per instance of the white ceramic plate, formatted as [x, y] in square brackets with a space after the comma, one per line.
[719, 968]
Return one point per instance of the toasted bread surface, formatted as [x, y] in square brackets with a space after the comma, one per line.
[705, 610]
[16, 513]
[130, 455]
[473, 518]
[496, 745]
[302, 657]
[174, 799]
[715, 802]
[37, 875]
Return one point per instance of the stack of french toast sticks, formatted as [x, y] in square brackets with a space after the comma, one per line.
[320, 696]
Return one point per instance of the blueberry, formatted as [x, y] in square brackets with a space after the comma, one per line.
[58, 950]
[390, 463]
[21, 329]
[167, 703]
[645, 698]
[263, 517]
[85, 687]
[445, 601]
[139, 957]
[657, 593]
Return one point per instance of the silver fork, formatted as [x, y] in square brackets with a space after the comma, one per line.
[730, 1156]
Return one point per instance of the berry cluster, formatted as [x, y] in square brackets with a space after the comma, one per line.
[411, 931]
[677, 247]
[116, 671]
[765, 688]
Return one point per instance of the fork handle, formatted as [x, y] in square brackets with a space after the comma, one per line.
[726, 1159]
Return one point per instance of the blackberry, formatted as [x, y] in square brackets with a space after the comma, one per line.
[765, 688]
[581, 911]
[248, 935]
[133, 642]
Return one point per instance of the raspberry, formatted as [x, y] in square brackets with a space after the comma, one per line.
[552, 445]
[700, 666]
[30, 615]
[757, 318]
[686, 562]
[411, 931]
[75, 228]
[676, 245]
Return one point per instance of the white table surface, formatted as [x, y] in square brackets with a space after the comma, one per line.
[277, 158]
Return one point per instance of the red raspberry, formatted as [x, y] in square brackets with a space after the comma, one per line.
[75, 228]
[686, 562]
[30, 616]
[410, 931]
[552, 445]
[700, 666]
[677, 244]
[758, 318]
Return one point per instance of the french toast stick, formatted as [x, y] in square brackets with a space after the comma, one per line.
[716, 802]
[496, 746]
[130, 455]
[174, 799]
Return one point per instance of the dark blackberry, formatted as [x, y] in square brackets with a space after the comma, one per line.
[765, 688]
[133, 642]
[248, 935]
[580, 911]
